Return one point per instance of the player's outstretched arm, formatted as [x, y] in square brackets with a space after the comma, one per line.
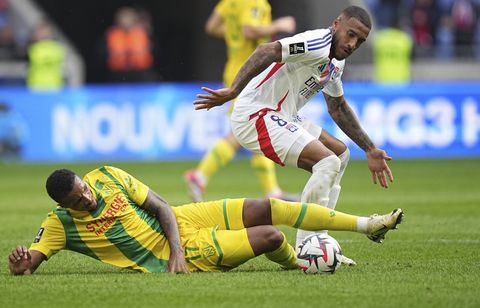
[284, 24]
[157, 206]
[346, 119]
[261, 58]
[22, 261]
[215, 25]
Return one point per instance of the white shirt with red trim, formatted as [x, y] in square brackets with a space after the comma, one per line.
[286, 87]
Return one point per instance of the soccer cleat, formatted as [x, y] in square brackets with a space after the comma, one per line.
[194, 185]
[347, 261]
[379, 225]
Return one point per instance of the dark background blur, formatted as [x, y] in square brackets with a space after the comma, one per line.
[178, 31]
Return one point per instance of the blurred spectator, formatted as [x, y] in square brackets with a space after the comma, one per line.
[464, 20]
[8, 48]
[425, 16]
[392, 51]
[46, 59]
[128, 49]
[385, 11]
[12, 132]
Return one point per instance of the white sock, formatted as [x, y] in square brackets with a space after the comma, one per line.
[318, 187]
[336, 188]
[362, 224]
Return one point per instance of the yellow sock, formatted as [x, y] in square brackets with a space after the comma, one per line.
[265, 171]
[218, 156]
[310, 216]
[284, 255]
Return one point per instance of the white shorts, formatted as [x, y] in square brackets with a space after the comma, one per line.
[279, 139]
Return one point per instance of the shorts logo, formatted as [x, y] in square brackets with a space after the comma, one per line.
[39, 235]
[282, 123]
[291, 127]
[208, 251]
[297, 48]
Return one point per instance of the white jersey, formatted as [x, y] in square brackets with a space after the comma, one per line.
[286, 87]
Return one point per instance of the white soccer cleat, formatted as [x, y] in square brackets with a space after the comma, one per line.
[379, 225]
[194, 185]
[347, 261]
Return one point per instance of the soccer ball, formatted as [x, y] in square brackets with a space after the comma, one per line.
[319, 253]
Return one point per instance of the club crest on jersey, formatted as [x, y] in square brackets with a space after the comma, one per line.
[297, 48]
[336, 72]
[39, 235]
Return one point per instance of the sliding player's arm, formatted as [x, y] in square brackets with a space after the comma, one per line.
[23, 261]
[160, 208]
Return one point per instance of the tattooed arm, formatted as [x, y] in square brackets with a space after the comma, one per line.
[346, 119]
[263, 56]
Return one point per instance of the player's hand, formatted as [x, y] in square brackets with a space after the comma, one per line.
[377, 163]
[215, 98]
[285, 24]
[177, 264]
[19, 260]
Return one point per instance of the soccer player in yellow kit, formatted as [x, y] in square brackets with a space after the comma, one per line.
[244, 25]
[111, 216]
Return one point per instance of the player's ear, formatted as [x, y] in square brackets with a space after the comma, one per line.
[336, 22]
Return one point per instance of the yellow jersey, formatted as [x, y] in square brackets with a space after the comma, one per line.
[118, 232]
[236, 14]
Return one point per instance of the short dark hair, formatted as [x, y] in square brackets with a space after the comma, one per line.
[358, 13]
[60, 184]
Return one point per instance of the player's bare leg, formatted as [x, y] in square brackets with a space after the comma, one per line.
[268, 240]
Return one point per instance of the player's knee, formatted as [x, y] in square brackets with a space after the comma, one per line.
[274, 238]
[330, 163]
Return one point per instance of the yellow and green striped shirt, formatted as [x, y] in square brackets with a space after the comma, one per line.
[236, 14]
[118, 232]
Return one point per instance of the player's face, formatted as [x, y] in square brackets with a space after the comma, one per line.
[348, 35]
[80, 198]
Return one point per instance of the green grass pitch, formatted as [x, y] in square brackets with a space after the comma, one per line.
[433, 260]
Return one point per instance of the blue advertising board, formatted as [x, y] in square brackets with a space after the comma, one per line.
[158, 122]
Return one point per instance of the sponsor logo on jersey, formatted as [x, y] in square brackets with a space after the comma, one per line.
[102, 224]
[39, 235]
[297, 48]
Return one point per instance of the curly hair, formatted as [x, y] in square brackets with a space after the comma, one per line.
[358, 13]
[60, 184]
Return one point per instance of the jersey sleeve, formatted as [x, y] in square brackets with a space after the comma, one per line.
[307, 47]
[134, 188]
[50, 238]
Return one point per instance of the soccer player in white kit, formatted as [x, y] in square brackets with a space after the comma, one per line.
[277, 81]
